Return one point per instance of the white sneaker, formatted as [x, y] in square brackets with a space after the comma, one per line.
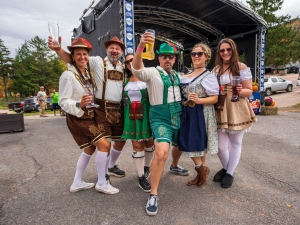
[107, 189]
[82, 186]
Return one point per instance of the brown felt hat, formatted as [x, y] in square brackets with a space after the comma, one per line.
[116, 41]
[80, 43]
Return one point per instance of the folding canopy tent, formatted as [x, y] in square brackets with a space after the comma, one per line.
[182, 22]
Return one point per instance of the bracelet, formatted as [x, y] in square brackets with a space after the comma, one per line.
[200, 101]
[140, 49]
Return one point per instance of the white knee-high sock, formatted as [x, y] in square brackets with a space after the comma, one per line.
[107, 163]
[223, 152]
[80, 167]
[149, 152]
[235, 151]
[114, 155]
[138, 159]
[100, 161]
[139, 165]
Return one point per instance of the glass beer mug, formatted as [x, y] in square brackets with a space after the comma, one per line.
[149, 54]
[54, 32]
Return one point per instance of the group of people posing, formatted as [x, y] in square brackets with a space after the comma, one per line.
[154, 108]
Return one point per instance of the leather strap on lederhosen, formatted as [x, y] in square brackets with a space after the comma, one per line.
[113, 75]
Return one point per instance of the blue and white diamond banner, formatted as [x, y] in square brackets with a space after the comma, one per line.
[262, 62]
[129, 26]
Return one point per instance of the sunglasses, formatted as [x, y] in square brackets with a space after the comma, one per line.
[128, 61]
[168, 56]
[199, 54]
[225, 49]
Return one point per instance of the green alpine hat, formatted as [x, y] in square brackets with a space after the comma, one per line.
[165, 49]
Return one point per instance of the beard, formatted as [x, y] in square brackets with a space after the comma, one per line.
[167, 67]
[113, 60]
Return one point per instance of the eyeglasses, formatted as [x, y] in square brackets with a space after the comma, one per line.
[199, 54]
[168, 56]
[128, 61]
[225, 49]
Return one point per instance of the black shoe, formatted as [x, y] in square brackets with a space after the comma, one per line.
[219, 175]
[144, 184]
[107, 178]
[115, 171]
[147, 171]
[227, 181]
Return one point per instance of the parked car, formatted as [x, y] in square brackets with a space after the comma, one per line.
[293, 69]
[273, 84]
[298, 81]
[15, 106]
[49, 103]
[31, 104]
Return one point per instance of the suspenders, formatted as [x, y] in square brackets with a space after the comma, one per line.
[105, 74]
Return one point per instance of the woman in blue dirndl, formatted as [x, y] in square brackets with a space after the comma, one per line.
[198, 128]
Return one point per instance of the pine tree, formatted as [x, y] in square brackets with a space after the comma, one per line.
[5, 67]
[282, 42]
[35, 66]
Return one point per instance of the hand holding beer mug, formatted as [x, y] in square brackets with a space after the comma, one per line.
[149, 54]
[236, 80]
[54, 32]
[190, 89]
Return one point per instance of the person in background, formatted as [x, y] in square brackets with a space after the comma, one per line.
[81, 120]
[41, 97]
[198, 128]
[136, 124]
[55, 106]
[164, 113]
[233, 118]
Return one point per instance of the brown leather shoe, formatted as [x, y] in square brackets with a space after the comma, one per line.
[203, 172]
[195, 180]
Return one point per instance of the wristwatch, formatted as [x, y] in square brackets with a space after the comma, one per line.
[77, 104]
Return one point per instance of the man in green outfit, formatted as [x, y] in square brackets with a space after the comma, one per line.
[165, 111]
[55, 106]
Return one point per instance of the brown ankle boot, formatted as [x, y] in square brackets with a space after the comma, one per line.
[203, 172]
[195, 180]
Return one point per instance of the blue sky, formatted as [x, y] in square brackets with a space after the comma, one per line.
[22, 20]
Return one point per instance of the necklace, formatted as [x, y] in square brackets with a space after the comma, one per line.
[199, 67]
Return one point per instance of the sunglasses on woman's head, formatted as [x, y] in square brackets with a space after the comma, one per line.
[128, 61]
[167, 56]
[199, 54]
[225, 49]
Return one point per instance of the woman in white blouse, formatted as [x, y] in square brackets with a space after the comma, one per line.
[198, 127]
[136, 124]
[233, 118]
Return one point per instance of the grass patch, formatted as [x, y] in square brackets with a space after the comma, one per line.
[33, 113]
[297, 106]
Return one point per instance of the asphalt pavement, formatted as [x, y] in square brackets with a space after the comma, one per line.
[37, 168]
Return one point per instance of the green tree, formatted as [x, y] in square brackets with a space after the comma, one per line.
[267, 8]
[5, 66]
[282, 46]
[282, 42]
[35, 65]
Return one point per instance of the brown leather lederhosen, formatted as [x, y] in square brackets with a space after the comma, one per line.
[110, 112]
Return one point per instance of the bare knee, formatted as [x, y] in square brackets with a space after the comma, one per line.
[161, 155]
[103, 145]
[90, 150]
[118, 145]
